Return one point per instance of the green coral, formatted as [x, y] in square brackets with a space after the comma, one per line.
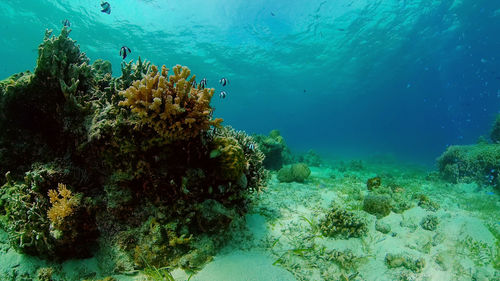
[296, 172]
[341, 223]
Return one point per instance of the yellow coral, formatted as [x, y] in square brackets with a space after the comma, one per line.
[170, 105]
[63, 205]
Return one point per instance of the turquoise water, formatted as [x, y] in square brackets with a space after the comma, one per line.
[347, 78]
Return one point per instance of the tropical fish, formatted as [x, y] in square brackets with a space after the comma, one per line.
[223, 81]
[203, 83]
[106, 7]
[251, 146]
[66, 23]
[193, 84]
[222, 95]
[124, 50]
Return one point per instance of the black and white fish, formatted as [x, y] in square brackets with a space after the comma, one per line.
[203, 83]
[223, 81]
[251, 146]
[106, 7]
[222, 95]
[193, 84]
[66, 23]
[124, 50]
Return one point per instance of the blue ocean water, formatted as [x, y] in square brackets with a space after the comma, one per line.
[348, 78]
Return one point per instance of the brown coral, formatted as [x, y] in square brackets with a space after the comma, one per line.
[170, 105]
[63, 205]
[229, 157]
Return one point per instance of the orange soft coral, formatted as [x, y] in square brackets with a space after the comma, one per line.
[170, 105]
[63, 205]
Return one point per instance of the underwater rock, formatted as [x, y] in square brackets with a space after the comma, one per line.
[399, 260]
[213, 217]
[311, 158]
[378, 205]
[344, 224]
[429, 222]
[495, 130]
[426, 203]
[382, 227]
[296, 172]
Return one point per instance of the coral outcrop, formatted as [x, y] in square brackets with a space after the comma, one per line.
[473, 163]
[137, 157]
[169, 104]
[296, 172]
[275, 149]
[378, 205]
[344, 224]
[468, 163]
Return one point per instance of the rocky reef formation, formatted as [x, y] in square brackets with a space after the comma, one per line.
[296, 172]
[137, 161]
[275, 150]
[478, 162]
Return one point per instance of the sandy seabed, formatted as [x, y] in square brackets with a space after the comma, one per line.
[282, 241]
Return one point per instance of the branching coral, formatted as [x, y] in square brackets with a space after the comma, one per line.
[61, 64]
[63, 205]
[170, 105]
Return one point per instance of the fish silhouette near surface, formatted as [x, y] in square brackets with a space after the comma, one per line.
[106, 7]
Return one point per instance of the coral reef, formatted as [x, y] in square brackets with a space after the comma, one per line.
[296, 172]
[138, 157]
[256, 175]
[229, 158]
[35, 227]
[378, 205]
[341, 223]
[468, 163]
[169, 104]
